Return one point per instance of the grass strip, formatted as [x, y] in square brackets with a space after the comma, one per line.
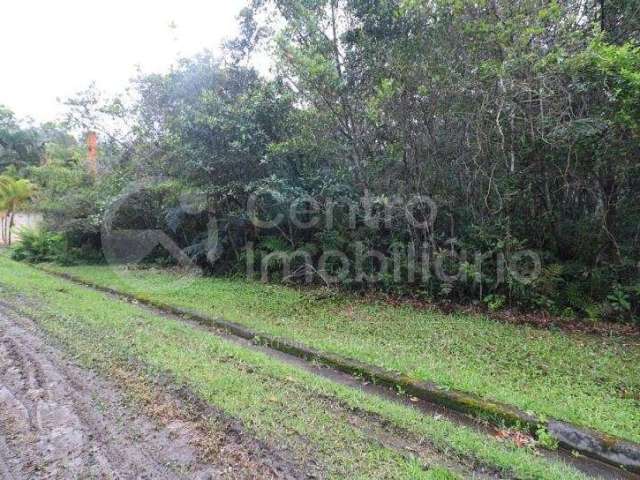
[610, 449]
[282, 404]
[589, 381]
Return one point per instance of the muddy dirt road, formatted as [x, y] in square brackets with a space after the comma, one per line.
[59, 421]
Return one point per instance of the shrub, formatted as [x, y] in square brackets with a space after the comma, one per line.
[38, 245]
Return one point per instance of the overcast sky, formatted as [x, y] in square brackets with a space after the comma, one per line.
[55, 48]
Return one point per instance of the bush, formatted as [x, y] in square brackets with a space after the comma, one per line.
[37, 245]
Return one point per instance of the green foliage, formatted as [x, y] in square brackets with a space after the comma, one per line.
[546, 440]
[619, 299]
[20, 146]
[614, 69]
[519, 119]
[38, 245]
[14, 194]
[594, 312]
[495, 302]
[439, 473]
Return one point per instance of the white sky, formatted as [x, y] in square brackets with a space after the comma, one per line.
[55, 48]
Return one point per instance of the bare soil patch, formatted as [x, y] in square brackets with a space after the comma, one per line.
[60, 421]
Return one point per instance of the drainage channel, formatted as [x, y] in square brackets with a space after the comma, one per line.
[591, 467]
[588, 465]
[245, 338]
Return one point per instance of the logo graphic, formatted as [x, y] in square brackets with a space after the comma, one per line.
[126, 249]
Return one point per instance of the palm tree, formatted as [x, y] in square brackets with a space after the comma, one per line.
[13, 194]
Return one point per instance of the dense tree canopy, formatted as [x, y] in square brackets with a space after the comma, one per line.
[19, 146]
[519, 119]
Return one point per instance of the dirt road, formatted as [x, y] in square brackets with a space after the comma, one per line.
[59, 421]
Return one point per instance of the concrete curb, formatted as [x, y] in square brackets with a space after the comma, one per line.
[607, 448]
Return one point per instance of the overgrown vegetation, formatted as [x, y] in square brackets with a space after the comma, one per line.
[518, 119]
[38, 245]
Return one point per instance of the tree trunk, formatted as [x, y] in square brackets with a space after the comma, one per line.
[3, 224]
[610, 215]
[11, 223]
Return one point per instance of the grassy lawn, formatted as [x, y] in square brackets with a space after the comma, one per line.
[587, 380]
[315, 419]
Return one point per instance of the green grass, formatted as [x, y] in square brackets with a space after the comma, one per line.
[309, 415]
[578, 378]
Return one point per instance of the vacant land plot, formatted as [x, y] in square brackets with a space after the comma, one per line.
[325, 429]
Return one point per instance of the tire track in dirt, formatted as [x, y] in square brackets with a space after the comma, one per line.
[63, 417]
[61, 437]
[60, 421]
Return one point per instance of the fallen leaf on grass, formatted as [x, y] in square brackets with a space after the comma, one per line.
[517, 437]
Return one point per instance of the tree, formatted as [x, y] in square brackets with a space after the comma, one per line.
[519, 118]
[19, 147]
[13, 195]
[208, 125]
